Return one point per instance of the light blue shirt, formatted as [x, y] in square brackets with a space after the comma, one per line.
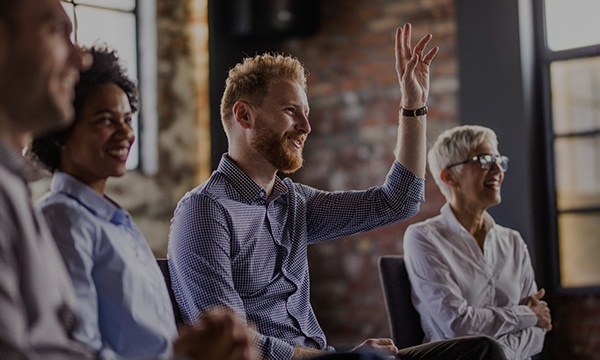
[125, 307]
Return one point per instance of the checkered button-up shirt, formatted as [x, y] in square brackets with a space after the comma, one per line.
[233, 245]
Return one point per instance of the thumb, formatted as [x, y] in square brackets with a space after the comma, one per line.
[540, 294]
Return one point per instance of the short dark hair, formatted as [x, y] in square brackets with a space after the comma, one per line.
[106, 69]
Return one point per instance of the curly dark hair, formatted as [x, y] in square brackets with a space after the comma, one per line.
[106, 69]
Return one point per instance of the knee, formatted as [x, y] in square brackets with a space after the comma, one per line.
[492, 347]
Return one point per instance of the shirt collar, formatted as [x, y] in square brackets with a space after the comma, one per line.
[279, 190]
[248, 188]
[100, 206]
[17, 164]
[453, 223]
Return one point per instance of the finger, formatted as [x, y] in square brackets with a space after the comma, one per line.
[406, 34]
[234, 329]
[430, 55]
[385, 341]
[412, 64]
[392, 349]
[383, 345]
[540, 294]
[399, 55]
[389, 350]
[534, 301]
[403, 50]
[422, 44]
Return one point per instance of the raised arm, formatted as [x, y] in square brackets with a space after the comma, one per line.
[412, 67]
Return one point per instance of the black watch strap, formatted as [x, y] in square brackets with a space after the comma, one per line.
[415, 113]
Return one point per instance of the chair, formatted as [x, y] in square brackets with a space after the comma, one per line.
[405, 323]
[164, 267]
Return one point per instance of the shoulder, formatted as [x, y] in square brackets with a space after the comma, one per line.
[301, 190]
[507, 234]
[214, 188]
[509, 242]
[65, 214]
[12, 188]
[432, 224]
[202, 205]
[15, 210]
[53, 202]
[199, 197]
[426, 234]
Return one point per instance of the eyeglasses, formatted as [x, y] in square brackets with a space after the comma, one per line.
[486, 161]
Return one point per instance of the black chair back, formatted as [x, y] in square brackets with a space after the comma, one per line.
[164, 267]
[405, 323]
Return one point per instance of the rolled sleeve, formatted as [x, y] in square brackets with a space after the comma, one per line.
[403, 187]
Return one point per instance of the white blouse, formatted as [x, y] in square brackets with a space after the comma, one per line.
[459, 290]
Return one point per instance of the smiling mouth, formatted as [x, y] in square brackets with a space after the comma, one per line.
[120, 153]
[492, 184]
[297, 141]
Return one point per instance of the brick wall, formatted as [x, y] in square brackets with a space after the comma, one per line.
[354, 95]
[576, 328]
[354, 98]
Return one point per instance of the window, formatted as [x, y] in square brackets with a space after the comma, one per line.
[569, 51]
[119, 23]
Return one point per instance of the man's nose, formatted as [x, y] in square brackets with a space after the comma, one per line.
[303, 124]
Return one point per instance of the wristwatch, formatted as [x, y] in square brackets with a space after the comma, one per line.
[415, 113]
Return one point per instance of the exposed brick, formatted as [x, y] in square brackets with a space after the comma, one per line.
[354, 96]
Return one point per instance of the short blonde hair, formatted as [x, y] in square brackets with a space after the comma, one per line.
[250, 81]
[453, 146]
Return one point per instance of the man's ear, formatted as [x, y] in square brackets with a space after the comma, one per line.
[242, 113]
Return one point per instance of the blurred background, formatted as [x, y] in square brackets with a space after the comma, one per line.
[529, 69]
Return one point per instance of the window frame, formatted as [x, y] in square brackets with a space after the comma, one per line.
[144, 13]
[544, 59]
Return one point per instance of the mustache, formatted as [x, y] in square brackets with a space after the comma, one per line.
[297, 135]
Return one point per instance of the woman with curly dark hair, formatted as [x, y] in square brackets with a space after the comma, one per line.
[125, 308]
[105, 74]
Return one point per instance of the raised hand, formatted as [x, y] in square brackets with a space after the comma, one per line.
[412, 68]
